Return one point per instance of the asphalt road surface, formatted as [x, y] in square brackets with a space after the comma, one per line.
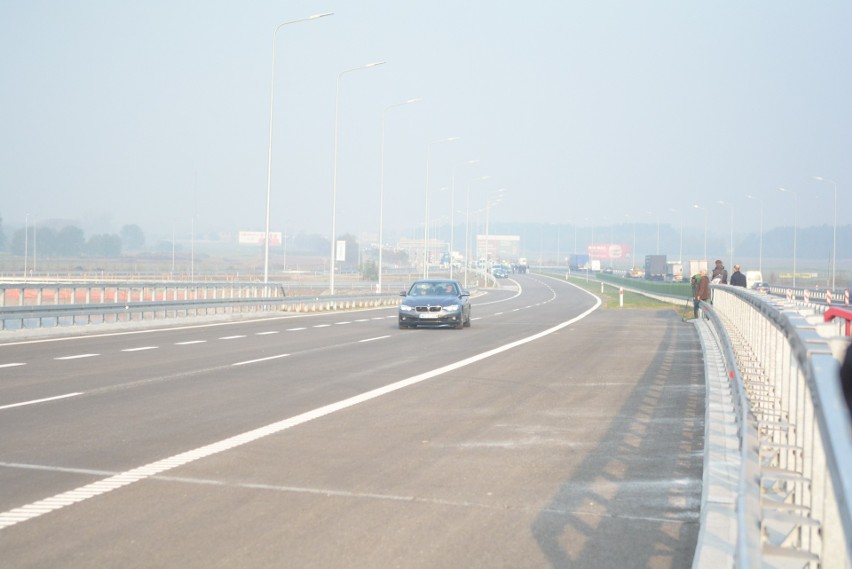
[548, 434]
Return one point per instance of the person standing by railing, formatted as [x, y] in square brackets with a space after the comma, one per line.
[846, 377]
[737, 278]
[702, 290]
[720, 273]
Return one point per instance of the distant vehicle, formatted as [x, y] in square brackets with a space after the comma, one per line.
[500, 272]
[522, 266]
[578, 261]
[435, 303]
[760, 286]
[656, 267]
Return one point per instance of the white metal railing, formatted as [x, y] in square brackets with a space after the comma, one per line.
[795, 496]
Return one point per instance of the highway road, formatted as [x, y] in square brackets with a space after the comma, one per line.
[550, 433]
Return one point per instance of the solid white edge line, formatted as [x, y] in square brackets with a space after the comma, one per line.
[260, 360]
[53, 503]
[34, 401]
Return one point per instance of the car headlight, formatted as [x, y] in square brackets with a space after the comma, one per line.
[452, 308]
[405, 308]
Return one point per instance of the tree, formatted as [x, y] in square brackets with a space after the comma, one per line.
[132, 237]
[104, 245]
[70, 241]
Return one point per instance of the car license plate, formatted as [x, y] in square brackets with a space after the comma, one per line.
[429, 315]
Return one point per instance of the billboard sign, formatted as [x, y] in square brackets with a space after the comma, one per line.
[258, 237]
[609, 251]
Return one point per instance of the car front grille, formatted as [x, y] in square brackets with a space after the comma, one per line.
[427, 308]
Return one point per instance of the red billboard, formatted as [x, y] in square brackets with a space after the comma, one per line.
[609, 251]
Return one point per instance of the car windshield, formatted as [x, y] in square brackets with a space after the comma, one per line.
[433, 289]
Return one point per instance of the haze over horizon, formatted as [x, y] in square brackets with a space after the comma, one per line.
[614, 112]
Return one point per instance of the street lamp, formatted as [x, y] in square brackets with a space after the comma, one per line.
[680, 252]
[494, 199]
[834, 238]
[426, 212]
[696, 206]
[730, 207]
[382, 185]
[269, 152]
[467, 230]
[760, 250]
[795, 227]
[334, 178]
[453, 211]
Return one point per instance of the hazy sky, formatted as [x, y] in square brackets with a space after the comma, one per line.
[590, 112]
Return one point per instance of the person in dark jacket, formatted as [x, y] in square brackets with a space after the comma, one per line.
[846, 377]
[720, 273]
[737, 278]
[702, 292]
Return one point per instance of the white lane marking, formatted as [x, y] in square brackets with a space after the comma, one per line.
[373, 339]
[260, 360]
[34, 401]
[77, 357]
[11, 365]
[381, 317]
[295, 329]
[322, 326]
[232, 337]
[340, 323]
[363, 320]
[187, 343]
[53, 503]
[140, 349]
[266, 333]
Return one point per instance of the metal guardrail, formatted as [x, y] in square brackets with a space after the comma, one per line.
[42, 315]
[795, 498]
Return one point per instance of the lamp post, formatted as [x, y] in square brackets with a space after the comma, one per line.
[426, 212]
[760, 248]
[334, 177]
[731, 208]
[453, 210]
[795, 227]
[834, 237]
[467, 230]
[269, 151]
[382, 185]
[696, 206]
[497, 197]
[26, 243]
[680, 251]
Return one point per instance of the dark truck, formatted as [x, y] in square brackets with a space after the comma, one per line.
[656, 267]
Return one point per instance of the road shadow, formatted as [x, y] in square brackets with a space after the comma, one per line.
[634, 501]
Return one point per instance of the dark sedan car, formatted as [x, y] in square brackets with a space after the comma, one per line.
[435, 302]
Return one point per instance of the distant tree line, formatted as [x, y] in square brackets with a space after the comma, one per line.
[70, 241]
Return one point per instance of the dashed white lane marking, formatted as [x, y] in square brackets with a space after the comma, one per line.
[363, 320]
[340, 323]
[143, 348]
[232, 337]
[322, 325]
[295, 329]
[188, 342]
[266, 333]
[77, 357]
[34, 401]
[260, 360]
[11, 365]
[53, 503]
[373, 339]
